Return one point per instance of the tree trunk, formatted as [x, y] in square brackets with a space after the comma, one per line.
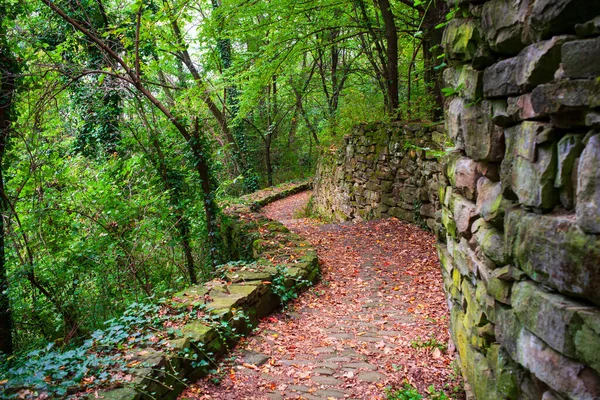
[391, 38]
[8, 68]
[432, 49]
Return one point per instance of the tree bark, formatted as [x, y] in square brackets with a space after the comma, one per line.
[391, 38]
[8, 68]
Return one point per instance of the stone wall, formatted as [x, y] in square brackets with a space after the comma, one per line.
[279, 256]
[383, 170]
[521, 258]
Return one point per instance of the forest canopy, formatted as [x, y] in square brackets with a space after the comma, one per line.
[125, 124]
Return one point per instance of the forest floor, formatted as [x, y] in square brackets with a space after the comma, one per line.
[376, 320]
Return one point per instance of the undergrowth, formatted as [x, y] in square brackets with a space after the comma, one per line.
[429, 343]
[105, 359]
[409, 392]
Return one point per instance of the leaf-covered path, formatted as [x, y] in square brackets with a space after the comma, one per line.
[378, 318]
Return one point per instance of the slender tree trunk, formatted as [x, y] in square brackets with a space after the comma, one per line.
[8, 68]
[432, 49]
[391, 38]
[268, 160]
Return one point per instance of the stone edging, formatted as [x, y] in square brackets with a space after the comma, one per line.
[245, 287]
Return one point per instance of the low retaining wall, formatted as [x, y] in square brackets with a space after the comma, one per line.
[383, 170]
[283, 261]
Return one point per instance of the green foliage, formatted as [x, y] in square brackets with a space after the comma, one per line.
[429, 343]
[102, 359]
[409, 392]
[448, 91]
[286, 286]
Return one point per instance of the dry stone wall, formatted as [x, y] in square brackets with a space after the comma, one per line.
[244, 287]
[383, 170]
[521, 256]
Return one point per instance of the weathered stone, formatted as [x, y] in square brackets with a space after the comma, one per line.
[552, 395]
[592, 119]
[465, 213]
[555, 17]
[462, 174]
[490, 203]
[489, 170]
[554, 318]
[589, 28]
[533, 66]
[509, 274]
[530, 168]
[508, 374]
[254, 358]
[491, 242]
[460, 39]
[448, 222]
[499, 289]
[502, 23]
[467, 79]
[453, 122]
[484, 141]
[499, 80]
[483, 57]
[559, 372]
[569, 149]
[520, 109]
[581, 58]
[565, 95]
[554, 251]
[587, 339]
[588, 187]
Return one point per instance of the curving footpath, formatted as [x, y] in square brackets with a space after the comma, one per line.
[377, 319]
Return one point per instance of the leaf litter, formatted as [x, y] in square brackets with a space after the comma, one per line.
[377, 318]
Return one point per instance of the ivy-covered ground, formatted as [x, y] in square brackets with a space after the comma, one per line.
[374, 327]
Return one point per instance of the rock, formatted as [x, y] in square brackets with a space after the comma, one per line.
[565, 95]
[484, 141]
[509, 273]
[469, 80]
[528, 168]
[534, 65]
[581, 58]
[491, 242]
[552, 317]
[562, 374]
[587, 338]
[588, 187]
[592, 119]
[555, 251]
[520, 109]
[555, 17]
[453, 122]
[370, 376]
[490, 203]
[489, 170]
[499, 289]
[590, 28]
[460, 39]
[502, 22]
[499, 80]
[448, 222]
[551, 395]
[483, 57]
[569, 149]
[465, 213]
[463, 175]
[427, 210]
[254, 358]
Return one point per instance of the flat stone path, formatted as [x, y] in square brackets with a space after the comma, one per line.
[377, 319]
